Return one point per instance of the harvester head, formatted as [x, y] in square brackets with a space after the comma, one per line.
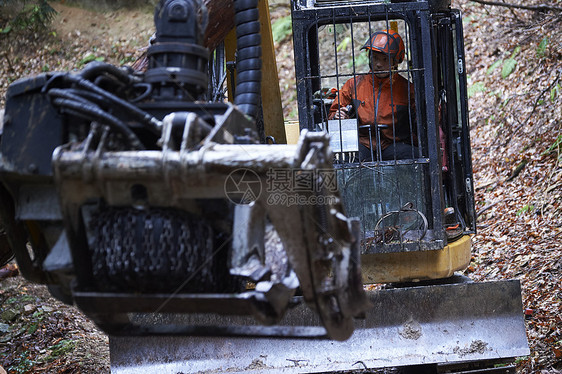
[138, 193]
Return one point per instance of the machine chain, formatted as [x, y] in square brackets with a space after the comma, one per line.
[160, 250]
[129, 242]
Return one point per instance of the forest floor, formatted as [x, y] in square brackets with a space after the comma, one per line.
[514, 65]
[516, 130]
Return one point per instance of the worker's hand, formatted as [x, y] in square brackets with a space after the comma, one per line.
[341, 113]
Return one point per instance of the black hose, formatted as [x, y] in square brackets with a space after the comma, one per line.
[87, 108]
[147, 91]
[91, 111]
[109, 83]
[144, 117]
[248, 86]
[96, 68]
[92, 97]
[62, 93]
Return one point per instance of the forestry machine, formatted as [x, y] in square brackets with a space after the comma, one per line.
[160, 201]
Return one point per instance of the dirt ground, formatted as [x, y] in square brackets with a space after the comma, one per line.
[75, 37]
[94, 27]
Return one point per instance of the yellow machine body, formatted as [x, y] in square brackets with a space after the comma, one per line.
[416, 266]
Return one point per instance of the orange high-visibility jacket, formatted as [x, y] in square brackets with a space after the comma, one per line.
[375, 96]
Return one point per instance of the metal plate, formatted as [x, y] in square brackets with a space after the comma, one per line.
[415, 325]
[343, 135]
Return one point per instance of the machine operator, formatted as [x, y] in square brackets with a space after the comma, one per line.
[383, 101]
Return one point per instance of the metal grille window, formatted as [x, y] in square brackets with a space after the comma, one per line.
[367, 91]
[368, 107]
[383, 117]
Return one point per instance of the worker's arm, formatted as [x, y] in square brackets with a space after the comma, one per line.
[341, 113]
[338, 109]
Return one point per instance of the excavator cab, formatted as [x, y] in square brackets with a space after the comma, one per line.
[420, 200]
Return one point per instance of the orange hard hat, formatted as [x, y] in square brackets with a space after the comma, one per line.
[386, 41]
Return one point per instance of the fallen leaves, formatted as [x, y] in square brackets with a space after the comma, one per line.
[10, 270]
[513, 119]
[41, 335]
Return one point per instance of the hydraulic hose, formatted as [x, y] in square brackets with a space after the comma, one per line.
[67, 94]
[248, 64]
[90, 111]
[96, 68]
[71, 99]
[88, 95]
[153, 124]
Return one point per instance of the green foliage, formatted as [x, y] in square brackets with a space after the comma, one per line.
[494, 66]
[32, 328]
[541, 49]
[26, 14]
[474, 88]
[344, 43]
[21, 299]
[556, 146]
[281, 29]
[126, 60]
[294, 113]
[61, 348]
[554, 92]
[510, 64]
[508, 67]
[89, 58]
[22, 365]
[527, 208]
[361, 59]
[339, 29]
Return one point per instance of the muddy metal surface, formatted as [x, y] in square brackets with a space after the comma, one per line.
[460, 322]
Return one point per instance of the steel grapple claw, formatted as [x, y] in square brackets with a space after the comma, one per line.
[193, 220]
[322, 244]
